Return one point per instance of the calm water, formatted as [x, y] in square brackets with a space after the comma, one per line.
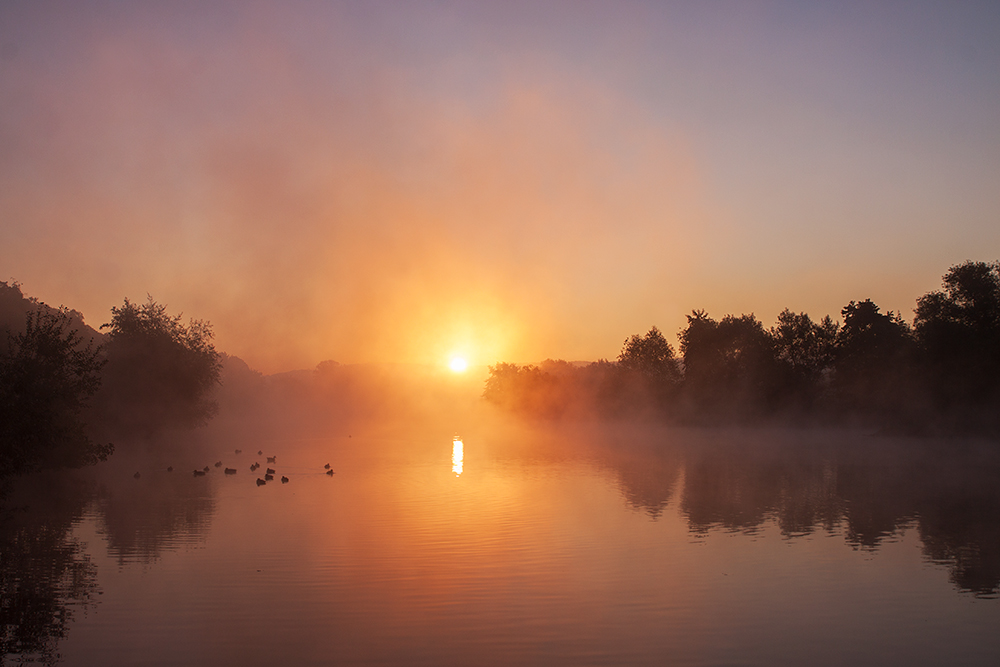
[532, 546]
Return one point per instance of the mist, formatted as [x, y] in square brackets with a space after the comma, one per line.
[559, 333]
[386, 184]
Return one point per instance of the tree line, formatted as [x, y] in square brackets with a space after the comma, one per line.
[65, 387]
[938, 374]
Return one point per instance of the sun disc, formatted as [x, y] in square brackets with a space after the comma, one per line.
[458, 364]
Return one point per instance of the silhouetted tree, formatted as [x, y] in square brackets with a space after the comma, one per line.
[730, 370]
[47, 373]
[525, 389]
[159, 371]
[874, 362]
[807, 350]
[807, 347]
[959, 333]
[650, 356]
[648, 372]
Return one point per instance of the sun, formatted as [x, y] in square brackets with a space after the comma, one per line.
[458, 364]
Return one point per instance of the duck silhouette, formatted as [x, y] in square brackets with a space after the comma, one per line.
[269, 477]
[260, 482]
[218, 464]
[199, 473]
[239, 451]
[137, 475]
[260, 452]
[170, 468]
[272, 459]
[270, 471]
[206, 468]
[327, 466]
[330, 473]
[284, 480]
[230, 471]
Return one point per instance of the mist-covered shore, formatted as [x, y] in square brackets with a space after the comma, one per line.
[939, 374]
[72, 393]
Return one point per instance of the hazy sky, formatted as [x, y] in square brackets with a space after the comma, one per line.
[395, 181]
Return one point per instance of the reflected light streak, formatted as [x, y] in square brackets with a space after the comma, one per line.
[457, 454]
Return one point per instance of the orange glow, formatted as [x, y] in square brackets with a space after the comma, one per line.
[458, 364]
[457, 456]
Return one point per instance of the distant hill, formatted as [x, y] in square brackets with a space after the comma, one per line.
[14, 306]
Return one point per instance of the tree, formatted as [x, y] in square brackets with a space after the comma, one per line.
[159, 371]
[525, 389]
[650, 356]
[47, 374]
[958, 330]
[646, 376]
[806, 350]
[874, 361]
[730, 368]
[807, 347]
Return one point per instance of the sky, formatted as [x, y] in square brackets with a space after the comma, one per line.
[509, 181]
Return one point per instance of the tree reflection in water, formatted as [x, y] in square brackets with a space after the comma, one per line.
[140, 521]
[866, 488]
[45, 576]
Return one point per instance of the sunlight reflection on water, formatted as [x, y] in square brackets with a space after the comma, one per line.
[457, 456]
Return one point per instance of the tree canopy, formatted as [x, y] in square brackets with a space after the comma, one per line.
[958, 329]
[160, 372]
[650, 356]
[47, 374]
[942, 374]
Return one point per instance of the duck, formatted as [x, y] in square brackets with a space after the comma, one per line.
[269, 477]
[137, 475]
[230, 471]
[218, 464]
[327, 466]
[239, 451]
[272, 459]
[284, 480]
[199, 473]
[207, 468]
[170, 468]
[260, 482]
[330, 473]
[270, 471]
[260, 452]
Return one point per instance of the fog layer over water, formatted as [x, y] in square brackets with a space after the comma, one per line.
[533, 542]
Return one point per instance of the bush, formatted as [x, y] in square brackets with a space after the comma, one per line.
[47, 373]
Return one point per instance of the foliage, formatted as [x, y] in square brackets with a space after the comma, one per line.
[730, 368]
[160, 372]
[47, 373]
[523, 388]
[873, 363]
[941, 375]
[958, 329]
[807, 347]
[869, 336]
[650, 356]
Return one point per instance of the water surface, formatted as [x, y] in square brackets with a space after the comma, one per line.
[536, 545]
